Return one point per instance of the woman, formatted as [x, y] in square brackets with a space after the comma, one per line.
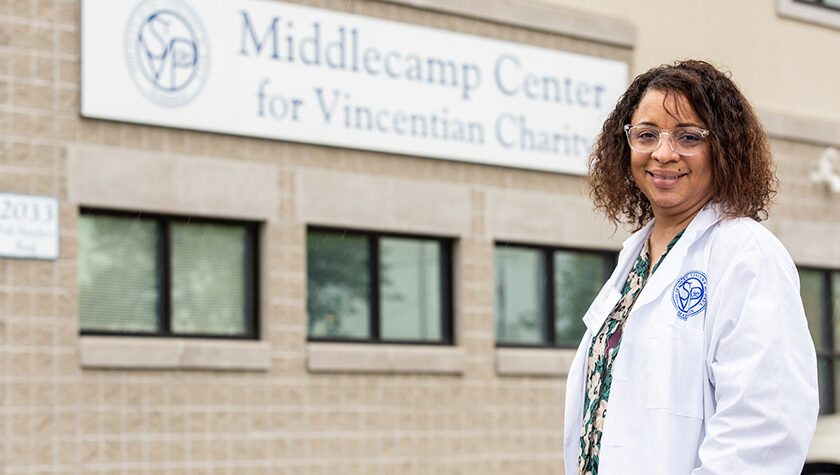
[697, 357]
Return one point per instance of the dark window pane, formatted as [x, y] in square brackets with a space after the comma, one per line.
[338, 285]
[824, 371]
[578, 277]
[210, 268]
[118, 274]
[835, 321]
[410, 289]
[520, 296]
[811, 288]
[836, 385]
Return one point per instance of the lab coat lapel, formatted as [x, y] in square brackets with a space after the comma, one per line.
[670, 268]
[611, 292]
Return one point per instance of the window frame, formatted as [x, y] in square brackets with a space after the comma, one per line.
[374, 316]
[164, 260]
[818, 14]
[818, 3]
[547, 256]
[830, 350]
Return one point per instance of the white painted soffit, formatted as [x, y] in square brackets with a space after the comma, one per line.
[533, 16]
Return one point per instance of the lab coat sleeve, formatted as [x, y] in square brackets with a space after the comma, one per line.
[762, 366]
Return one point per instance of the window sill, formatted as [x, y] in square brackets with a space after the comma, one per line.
[389, 359]
[533, 362]
[97, 352]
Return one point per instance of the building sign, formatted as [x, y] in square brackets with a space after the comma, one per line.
[273, 70]
[28, 226]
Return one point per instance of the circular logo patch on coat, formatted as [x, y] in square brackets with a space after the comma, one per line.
[689, 295]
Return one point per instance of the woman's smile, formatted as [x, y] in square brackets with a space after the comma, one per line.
[665, 178]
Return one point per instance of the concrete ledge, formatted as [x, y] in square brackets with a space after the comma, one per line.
[382, 203]
[546, 218]
[533, 362]
[361, 358]
[173, 353]
[819, 249]
[118, 178]
[800, 129]
[549, 18]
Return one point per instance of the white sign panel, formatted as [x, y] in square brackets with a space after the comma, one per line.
[28, 226]
[269, 69]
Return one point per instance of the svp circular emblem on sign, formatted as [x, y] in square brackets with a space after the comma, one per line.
[167, 51]
[689, 295]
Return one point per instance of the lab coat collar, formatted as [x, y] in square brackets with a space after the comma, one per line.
[668, 271]
[708, 216]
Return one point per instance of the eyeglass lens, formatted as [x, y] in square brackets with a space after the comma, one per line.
[683, 140]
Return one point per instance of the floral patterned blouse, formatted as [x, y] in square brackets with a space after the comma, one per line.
[602, 353]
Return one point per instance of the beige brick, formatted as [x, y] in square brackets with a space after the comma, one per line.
[178, 451]
[22, 124]
[67, 12]
[112, 451]
[69, 71]
[156, 450]
[20, 65]
[45, 10]
[43, 38]
[17, 34]
[67, 365]
[21, 9]
[21, 307]
[5, 92]
[44, 68]
[67, 452]
[68, 43]
[68, 128]
[67, 100]
[90, 451]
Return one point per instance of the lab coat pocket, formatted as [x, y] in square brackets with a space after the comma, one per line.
[675, 371]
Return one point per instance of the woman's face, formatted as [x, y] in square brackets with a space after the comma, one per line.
[677, 186]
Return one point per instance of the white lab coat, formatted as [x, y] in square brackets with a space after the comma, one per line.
[730, 389]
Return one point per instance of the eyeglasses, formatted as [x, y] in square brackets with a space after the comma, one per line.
[683, 140]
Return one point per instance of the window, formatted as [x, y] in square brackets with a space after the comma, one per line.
[373, 287]
[820, 12]
[155, 275]
[820, 290]
[542, 293]
[832, 4]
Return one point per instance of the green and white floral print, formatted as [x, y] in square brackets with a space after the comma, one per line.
[602, 353]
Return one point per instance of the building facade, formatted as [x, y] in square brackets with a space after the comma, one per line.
[199, 293]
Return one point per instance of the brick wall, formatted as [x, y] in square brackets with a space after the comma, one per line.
[57, 417]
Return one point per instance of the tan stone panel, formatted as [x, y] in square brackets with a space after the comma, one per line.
[362, 201]
[544, 218]
[97, 352]
[226, 355]
[169, 184]
[810, 243]
[350, 358]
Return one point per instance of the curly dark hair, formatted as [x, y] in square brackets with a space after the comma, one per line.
[743, 174]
